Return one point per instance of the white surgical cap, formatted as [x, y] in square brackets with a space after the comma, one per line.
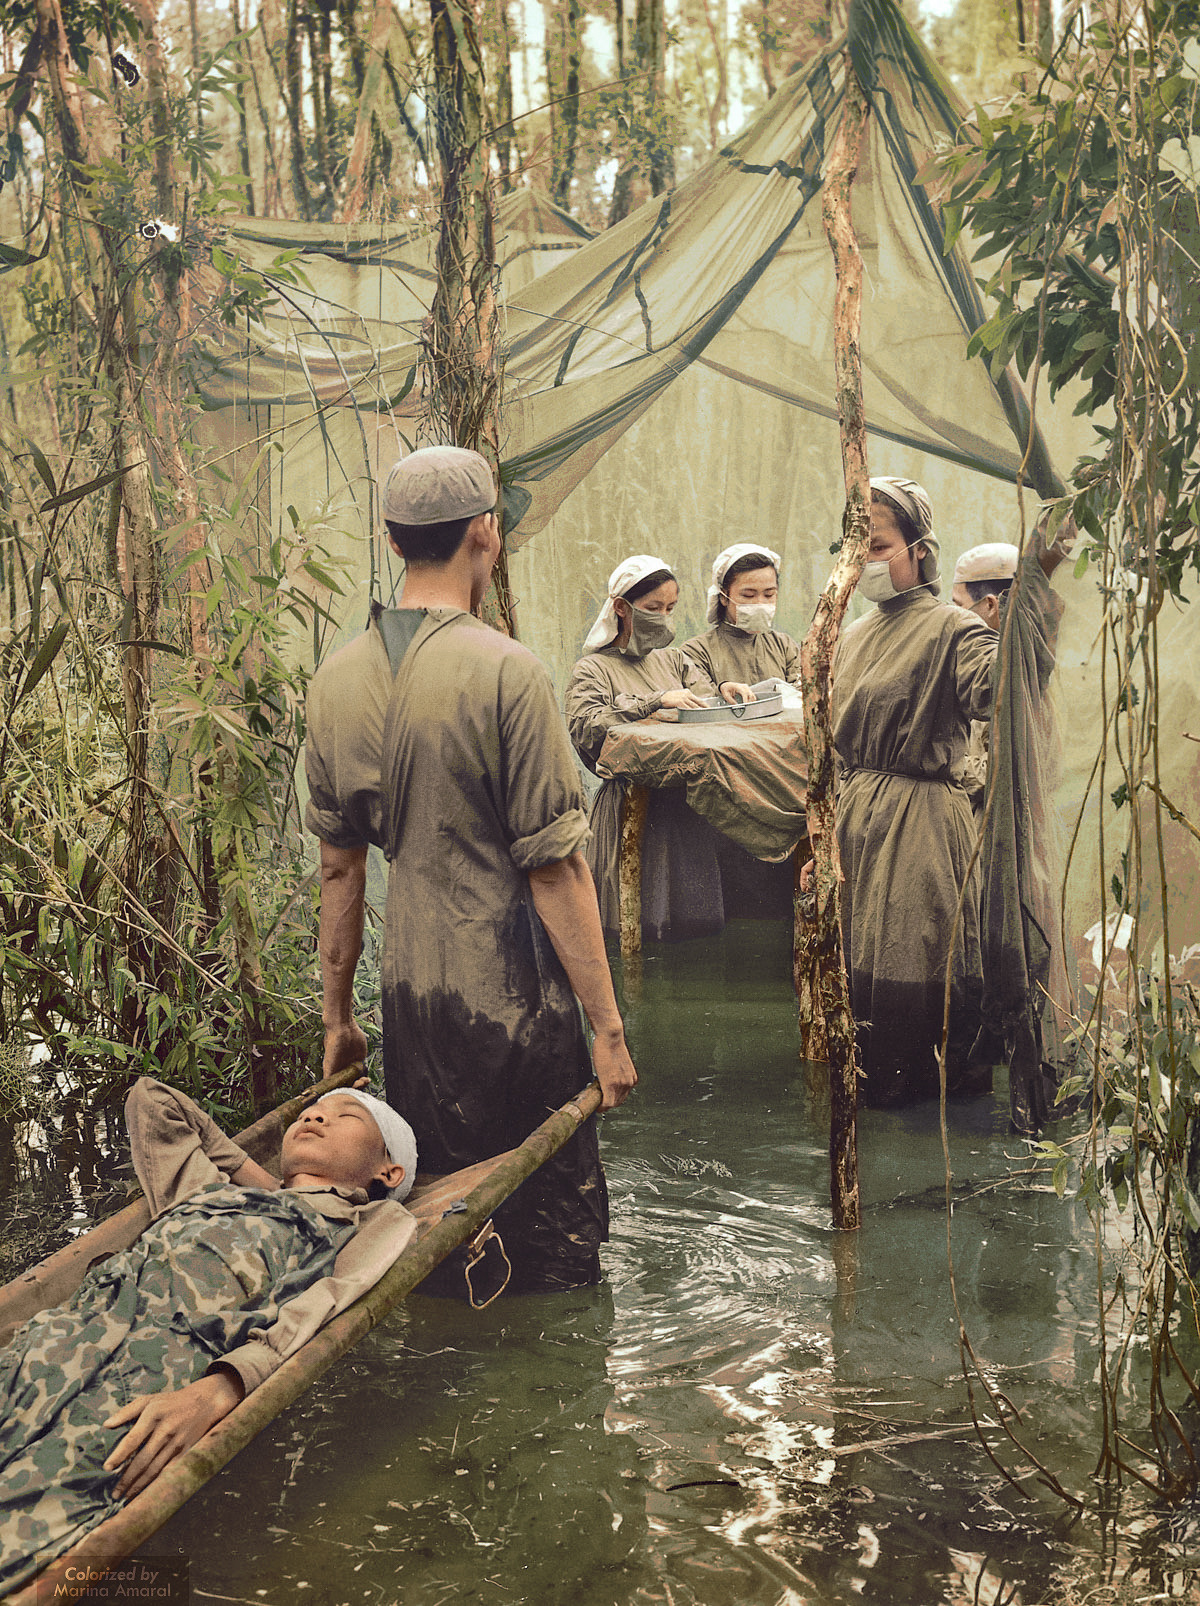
[726, 560]
[995, 560]
[623, 578]
[398, 1137]
[913, 500]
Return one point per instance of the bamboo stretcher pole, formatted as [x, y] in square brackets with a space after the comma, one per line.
[123, 1532]
[828, 976]
[57, 1277]
[634, 808]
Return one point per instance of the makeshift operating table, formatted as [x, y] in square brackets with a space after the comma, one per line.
[749, 780]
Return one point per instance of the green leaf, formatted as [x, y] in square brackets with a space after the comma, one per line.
[76, 860]
[65, 498]
[46, 656]
[43, 467]
[11, 257]
[1190, 1205]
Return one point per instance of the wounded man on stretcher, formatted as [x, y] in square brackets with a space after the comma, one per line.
[235, 1272]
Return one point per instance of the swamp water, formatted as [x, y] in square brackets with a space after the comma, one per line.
[753, 1410]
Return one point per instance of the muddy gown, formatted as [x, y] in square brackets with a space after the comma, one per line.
[908, 679]
[683, 888]
[450, 755]
[727, 653]
[200, 1281]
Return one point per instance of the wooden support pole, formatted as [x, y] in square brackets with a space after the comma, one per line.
[813, 1046]
[828, 977]
[634, 808]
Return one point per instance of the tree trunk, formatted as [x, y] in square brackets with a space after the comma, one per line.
[352, 39]
[502, 121]
[720, 101]
[565, 157]
[240, 93]
[291, 86]
[194, 28]
[651, 42]
[766, 47]
[320, 72]
[119, 325]
[360, 148]
[829, 979]
[1043, 24]
[461, 358]
[273, 202]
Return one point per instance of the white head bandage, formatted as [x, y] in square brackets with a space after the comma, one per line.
[995, 560]
[726, 560]
[398, 1137]
[623, 578]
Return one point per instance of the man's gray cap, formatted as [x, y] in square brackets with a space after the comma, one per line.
[437, 485]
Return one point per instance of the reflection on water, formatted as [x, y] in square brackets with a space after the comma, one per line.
[59, 1175]
[755, 1410]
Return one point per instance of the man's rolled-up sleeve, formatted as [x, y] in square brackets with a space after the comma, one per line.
[177, 1149]
[341, 763]
[558, 840]
[543, 798]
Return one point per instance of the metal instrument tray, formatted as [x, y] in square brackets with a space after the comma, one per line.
[717, 711]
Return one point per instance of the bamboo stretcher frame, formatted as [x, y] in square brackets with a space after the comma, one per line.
[481, 1188]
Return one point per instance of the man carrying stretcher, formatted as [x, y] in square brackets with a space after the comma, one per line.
[438, 740]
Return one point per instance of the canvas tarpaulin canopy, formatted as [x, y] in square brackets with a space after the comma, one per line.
[731, 270]
[363, 275]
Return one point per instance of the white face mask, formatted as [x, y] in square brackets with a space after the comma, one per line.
[875, 582]
[754, 616]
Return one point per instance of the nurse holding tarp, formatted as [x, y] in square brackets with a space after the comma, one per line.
[743, 647]
[908, 679]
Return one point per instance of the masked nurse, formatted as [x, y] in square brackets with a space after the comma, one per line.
[629, 670]
[743, 648]
[909, 678]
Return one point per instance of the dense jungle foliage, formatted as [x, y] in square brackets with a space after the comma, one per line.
[156, 892]
[158, 907]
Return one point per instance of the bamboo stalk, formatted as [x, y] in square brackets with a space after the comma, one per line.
[828, 978]
[114, 1539]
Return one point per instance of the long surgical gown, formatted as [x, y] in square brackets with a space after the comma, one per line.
[727, 653]
[456, 764]
[908, 679]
